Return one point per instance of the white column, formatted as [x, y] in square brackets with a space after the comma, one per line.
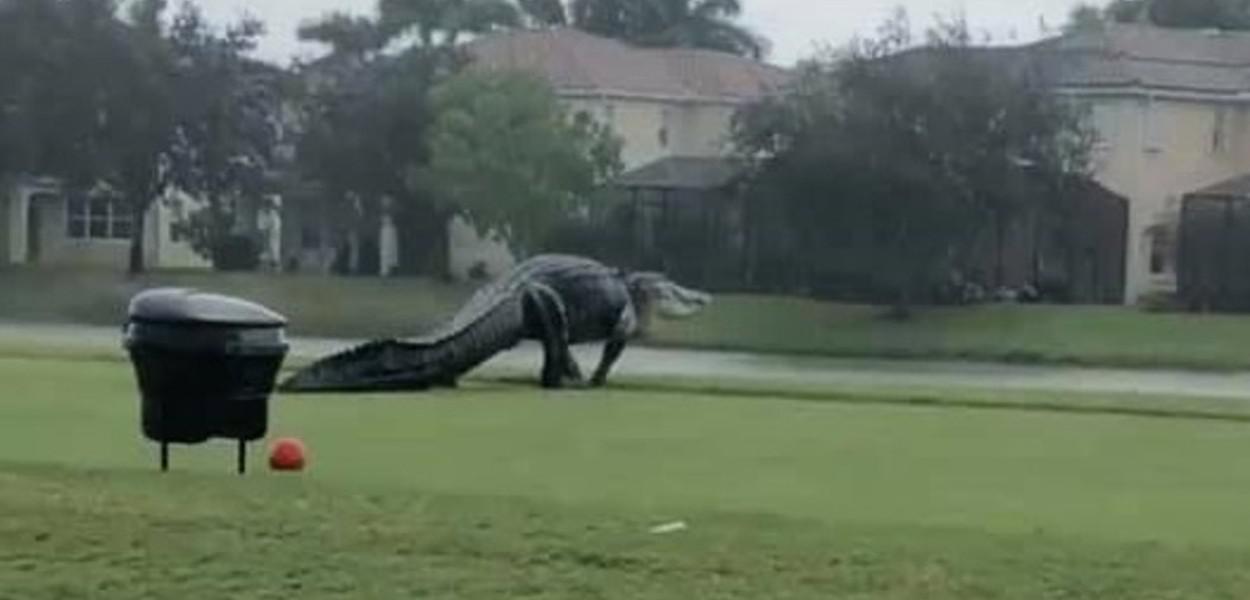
[19, 204]
[1137, 259]
[388, 245]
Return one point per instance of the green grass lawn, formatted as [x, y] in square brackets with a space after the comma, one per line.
[1079, 335]
[315, 305]
[1086, 335]
[501, 490]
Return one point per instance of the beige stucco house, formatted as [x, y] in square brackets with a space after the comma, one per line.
[1172, 112]
[41, 224]
[668, 105]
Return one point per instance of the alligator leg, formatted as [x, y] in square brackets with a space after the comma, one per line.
[611, 353]
[626, 326]
[571, 369]
[553, 332]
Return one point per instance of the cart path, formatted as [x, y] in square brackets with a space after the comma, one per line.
[760, 368]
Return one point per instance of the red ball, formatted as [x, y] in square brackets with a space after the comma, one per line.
[287, 454]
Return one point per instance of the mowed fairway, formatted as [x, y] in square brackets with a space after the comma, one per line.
[504, 491]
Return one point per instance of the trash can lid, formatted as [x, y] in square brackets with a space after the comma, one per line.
[193, 307]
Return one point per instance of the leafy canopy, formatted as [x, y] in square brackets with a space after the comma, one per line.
[890, 162]
[1183, 14]
[504, 154]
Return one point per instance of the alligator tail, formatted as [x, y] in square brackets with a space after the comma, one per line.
[418, 364]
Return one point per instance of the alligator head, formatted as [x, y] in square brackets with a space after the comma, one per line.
[655, 291]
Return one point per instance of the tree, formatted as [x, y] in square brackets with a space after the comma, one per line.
[347, 36]
[1084, 17]
[544, 12]
[697, 24]
[128, 105]
[364, 116]
[1201, 14]
[707, 24]
[85, 99]
[228, 124]
[1128, 11]
[140, 122]
[433, 24]
[1184, 14]
[506, 156]
[889, 164]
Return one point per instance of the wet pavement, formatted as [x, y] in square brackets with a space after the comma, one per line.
[754, 368]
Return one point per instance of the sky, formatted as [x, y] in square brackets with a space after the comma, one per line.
[796, 28]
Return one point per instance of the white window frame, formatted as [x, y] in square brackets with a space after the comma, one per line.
[95, 218]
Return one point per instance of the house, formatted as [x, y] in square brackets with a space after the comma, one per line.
[1172, 111]
[671, 107]
[43, 224]
[686, 219]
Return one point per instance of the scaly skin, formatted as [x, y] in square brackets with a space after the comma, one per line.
[558, 300]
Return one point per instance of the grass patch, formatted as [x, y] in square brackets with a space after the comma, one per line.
[1075, 335]
[124, 534]
[367, 307]
[505, 491]
[684, 450]
[315, 305]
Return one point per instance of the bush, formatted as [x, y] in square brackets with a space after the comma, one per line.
[236, 252]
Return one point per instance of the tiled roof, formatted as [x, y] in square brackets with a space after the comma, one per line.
[1237, 187]
[1152, 57]
[681, 173]
[575, 61]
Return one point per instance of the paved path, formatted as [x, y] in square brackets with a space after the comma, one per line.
[727, 366]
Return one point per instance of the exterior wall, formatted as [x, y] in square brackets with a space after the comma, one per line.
[703, 130]
[638, 123]
[1154, 150]
[654, 129]
[57, 248]
[650, 130]
[467, 249]
[162, 248]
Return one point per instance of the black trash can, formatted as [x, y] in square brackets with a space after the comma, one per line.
[206, 365]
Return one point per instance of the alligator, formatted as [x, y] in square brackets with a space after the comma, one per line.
[558, 300]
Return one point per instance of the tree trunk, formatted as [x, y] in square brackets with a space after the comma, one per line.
[439, 264]
[1000, 243]
[906, 267]
[137, 260]
[901, 311]
[353, 251]
[421, 231]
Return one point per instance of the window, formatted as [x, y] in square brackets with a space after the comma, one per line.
[97, 218]
[178, 223]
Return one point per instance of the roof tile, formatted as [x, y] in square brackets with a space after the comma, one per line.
[573, 60]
